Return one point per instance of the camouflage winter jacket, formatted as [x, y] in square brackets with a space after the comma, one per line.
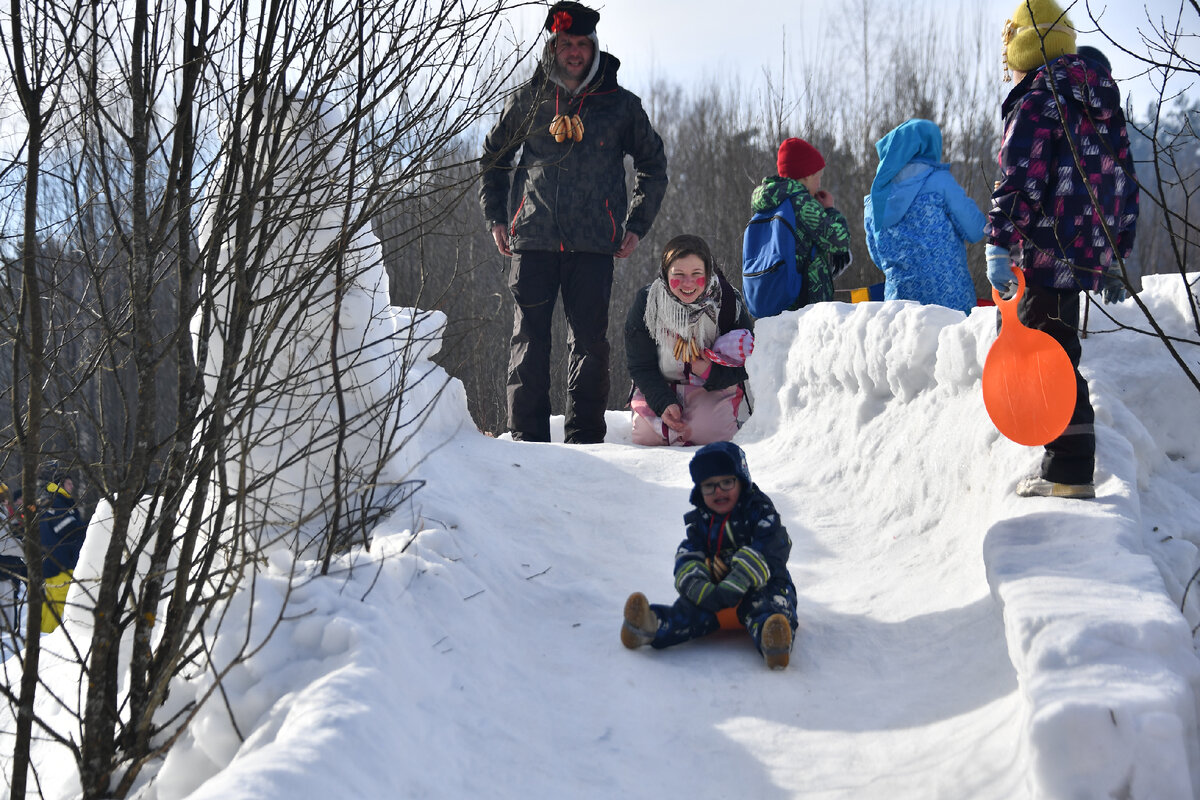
[822, 236]
[571, 195]
[1041, 209]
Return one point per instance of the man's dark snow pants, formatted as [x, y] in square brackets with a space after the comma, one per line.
[585, 281]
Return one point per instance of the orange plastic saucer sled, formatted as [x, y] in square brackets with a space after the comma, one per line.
[1028, 380]
[729, 620]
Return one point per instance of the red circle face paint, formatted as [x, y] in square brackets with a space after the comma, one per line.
[677, 282]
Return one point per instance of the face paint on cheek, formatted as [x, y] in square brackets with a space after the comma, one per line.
[675, 283]
[700, 282]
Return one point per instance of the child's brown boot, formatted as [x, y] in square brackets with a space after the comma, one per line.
[776, 641]
[640, 622]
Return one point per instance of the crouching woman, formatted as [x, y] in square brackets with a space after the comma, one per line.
[687, 337]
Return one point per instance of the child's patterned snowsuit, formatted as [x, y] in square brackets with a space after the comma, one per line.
[750, 537]
[1042, 212]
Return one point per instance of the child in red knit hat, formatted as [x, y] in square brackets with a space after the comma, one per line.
[822, 236]
[801, 161]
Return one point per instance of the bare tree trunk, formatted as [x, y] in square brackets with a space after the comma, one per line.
[27, 415]
[262, 319]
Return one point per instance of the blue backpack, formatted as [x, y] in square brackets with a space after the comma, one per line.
[771, 282]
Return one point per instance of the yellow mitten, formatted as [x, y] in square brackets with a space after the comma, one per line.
[56, 600]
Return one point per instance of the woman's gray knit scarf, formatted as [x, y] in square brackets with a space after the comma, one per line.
[681, 330]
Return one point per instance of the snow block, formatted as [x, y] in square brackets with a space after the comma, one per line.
[1104, 659]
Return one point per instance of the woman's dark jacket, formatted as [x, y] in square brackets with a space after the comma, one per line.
[641, 351]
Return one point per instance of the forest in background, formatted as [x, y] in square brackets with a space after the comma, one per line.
[721, 138]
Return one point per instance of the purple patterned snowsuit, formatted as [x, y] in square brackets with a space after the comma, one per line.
[1043, 212]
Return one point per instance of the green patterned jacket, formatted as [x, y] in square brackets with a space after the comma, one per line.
[822, 236]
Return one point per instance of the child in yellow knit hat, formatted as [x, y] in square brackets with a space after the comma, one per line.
[1064, 210]
[1035, 26]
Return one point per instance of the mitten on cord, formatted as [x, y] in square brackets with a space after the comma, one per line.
[729, 593]
[747, 570]
[693, 581]
[750, 568]
[999, 267]
[710, 598]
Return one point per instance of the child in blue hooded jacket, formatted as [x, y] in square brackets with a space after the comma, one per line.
[734, 555]
[916, 219]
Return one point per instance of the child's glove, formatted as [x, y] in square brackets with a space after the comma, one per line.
[707, 595]
[693, 582]
[729, 592]
[747, 570]
[999, 267]
[1113, 288]
[750, 568]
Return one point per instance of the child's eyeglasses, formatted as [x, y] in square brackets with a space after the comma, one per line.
[725, 484]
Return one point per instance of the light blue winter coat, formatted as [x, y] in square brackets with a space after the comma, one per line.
[916, 219]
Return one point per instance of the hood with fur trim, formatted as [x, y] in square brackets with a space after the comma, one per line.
[549, 66]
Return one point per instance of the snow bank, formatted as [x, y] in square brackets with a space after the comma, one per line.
[869, 425]
[955, 641]
[317, 386]
[1105, 661]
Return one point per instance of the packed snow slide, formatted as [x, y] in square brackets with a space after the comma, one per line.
[955, 641]
[881, 461]
[1102, 660]
[938, 656]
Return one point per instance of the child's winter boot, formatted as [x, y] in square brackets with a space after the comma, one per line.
[776, 641]
[1037, 486]
[640, 622]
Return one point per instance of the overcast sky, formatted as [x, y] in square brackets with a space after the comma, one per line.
[684, 39]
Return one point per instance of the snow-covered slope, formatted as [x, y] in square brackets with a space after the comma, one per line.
[955, 641]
